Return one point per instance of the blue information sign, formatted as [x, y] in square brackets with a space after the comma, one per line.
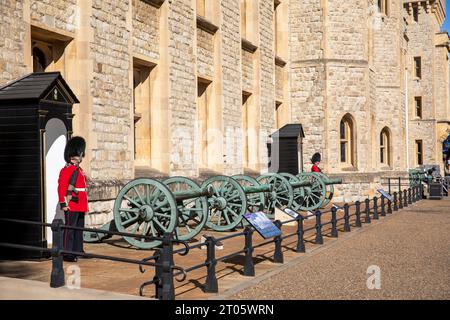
[262, 224]
[385, 194]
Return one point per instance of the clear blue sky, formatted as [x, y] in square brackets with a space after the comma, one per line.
[446, 25]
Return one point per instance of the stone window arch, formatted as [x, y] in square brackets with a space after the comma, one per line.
[385, 147]
[347, 136]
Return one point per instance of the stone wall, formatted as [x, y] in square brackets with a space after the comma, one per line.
[232, 78]
[205, 53]
[145, 29]
[12, 40]
[59, 14]
[110, 91]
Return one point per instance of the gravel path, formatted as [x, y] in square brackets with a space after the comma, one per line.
[411, 248]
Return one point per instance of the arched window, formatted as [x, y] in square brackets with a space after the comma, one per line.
[385, 147]
[346, 133]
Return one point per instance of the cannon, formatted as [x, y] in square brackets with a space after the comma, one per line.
[321, 191]
[231, 200]
[148, 207]
[288, 191]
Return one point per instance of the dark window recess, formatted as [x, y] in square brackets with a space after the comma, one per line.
[419, 152]
[416, 13]
[39, 60]
[418, 67]
[343, 151]
[418, 101]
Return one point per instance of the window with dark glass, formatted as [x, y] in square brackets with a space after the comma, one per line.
[418, 67]
[418, 103]
[419, 150]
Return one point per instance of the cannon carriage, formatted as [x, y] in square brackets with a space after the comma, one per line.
[181, 206]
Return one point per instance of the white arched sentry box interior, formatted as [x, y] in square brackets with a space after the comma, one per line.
[55, 142]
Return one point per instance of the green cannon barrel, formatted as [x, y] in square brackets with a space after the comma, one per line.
[329, 182]
[258, 189]
[296, 185]
[205, 191]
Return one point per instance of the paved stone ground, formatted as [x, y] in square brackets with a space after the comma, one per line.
[411, 247]
[20, 289]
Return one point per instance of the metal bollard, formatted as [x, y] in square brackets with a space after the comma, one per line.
[413, 196]
[211, 284]
[405, 198]
[375, 208]
[300, 234]
[249, 266]
[168, 289]
[409, 196]
[334, 231]
[57, 279]
[395, 202]
[346, 218]
[358, 214]
[383, 206]
[400, 199]
[367, 211]
[319, 238]
[278, 254]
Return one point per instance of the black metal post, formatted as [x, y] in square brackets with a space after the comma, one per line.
[405, 198]
[413, 196]
[383, 206]
[300, 234]
[400, 199]
[367, 211]
[334, 231]
[395, 202]
[249, 266]
[168, 289]
[319, 238]
[57, 276]
[399, 184]
[278, 254]
[389, 185]
[346, 218]
[422, 191]
[375, 208]
[211, 279]
[358, 214]
[409, 196]
[158, 274]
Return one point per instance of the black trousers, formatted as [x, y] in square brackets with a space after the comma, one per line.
[73, 239]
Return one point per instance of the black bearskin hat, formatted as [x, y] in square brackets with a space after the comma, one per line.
[75, 147]
[316, 158]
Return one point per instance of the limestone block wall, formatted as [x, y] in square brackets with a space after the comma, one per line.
[110, 91]
[59, 14]
[183, 88]
[232, 78]
[146, 33]
[205, 53]
[267, 78]
[247, 71]
[12, 40]
[307, 72]
[421, 43]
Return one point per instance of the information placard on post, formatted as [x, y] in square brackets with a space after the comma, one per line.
[291, 213]
[266, 228]
[385, 194]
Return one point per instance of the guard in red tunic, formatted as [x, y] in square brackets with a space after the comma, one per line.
[73, 195]
[315, 160]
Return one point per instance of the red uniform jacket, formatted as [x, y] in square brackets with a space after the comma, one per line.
[63, 184]
[315, 168]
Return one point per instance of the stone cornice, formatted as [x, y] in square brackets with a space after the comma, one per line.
[155, 3]
[248, 46]
[206, 25]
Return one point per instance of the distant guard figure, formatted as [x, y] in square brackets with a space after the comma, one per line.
[315, 160]
[72, 195]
